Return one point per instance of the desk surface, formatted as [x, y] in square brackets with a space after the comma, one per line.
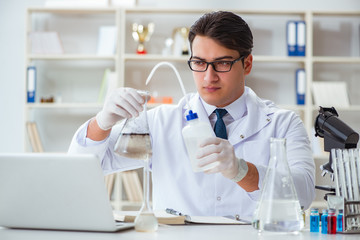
[165, 232]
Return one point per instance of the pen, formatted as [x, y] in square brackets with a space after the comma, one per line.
[173, 212]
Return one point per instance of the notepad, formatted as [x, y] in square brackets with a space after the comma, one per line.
[166, 218]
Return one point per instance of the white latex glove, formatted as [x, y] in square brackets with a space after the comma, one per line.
[221, 151]
[121, 103]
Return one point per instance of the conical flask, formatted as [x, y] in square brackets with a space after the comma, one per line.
[278, 209]
[134, 142]
[134, 139]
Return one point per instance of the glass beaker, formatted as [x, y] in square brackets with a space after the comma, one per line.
[134, 143]
[279, 209]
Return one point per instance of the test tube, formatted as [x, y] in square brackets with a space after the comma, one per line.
[357, 160]
[336, 172]
[354, 177]
[332, 221]
[342, 178]
[348, 180]
[355, 184]
[348, 175]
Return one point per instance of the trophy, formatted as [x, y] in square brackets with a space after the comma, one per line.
[142, 34]
[183, 32]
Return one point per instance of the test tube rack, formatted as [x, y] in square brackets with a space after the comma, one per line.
[346, 170]
[351, 216]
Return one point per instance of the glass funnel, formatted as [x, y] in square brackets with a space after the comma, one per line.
[134, 143]
[278, 209]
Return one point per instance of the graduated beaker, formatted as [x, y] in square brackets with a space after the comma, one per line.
[279, 209]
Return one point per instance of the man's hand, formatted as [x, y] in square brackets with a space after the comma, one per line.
[122, 103]
[221, 151]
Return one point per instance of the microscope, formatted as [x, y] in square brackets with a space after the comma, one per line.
[337, 135]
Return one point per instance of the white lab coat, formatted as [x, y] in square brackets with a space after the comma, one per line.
[176, 186]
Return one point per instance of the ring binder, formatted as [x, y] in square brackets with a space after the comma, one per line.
[296, 38]
[300, 86]
[31, 84]
[291, 38]
[300, 38]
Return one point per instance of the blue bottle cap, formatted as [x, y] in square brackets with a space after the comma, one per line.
[191, 116]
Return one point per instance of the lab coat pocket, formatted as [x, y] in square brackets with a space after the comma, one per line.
[257, 152]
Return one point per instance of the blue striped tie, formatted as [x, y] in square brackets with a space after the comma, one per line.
[220, 128]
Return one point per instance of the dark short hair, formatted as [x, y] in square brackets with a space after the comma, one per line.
[226, 28]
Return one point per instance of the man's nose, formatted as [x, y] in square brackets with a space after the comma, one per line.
[210, 74]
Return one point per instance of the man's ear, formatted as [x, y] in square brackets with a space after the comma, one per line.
[248, 64]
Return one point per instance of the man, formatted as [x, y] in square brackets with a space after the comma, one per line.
[221, 45]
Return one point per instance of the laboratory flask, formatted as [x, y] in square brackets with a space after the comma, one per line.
[279, 209]
[134, 142]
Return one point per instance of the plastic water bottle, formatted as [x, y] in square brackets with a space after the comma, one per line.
[193, 133]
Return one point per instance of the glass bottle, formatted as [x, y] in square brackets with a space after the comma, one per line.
[314, 220]
[134, 142]
[324, 221]
[278, 209]
[332, 221]
[339, 221]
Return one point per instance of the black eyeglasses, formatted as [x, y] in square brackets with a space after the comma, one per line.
[218, 66]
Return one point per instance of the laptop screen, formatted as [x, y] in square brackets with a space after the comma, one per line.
[54, 191]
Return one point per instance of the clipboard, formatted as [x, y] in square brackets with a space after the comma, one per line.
[171, 219]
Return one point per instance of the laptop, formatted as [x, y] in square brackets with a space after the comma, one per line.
[55, 191]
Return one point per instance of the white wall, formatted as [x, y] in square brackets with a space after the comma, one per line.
[12, 47]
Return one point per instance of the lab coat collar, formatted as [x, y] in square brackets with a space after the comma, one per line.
[236, 109]
[257, 117]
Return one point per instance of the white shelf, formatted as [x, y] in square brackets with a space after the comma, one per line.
[89, 10]
[318, 59]
[73, 105]
[154, 57]
[336, 13]
[353, 108]
[257, 58]
[64, 105]
[204, 10]
[279, 59]
[71, 57]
